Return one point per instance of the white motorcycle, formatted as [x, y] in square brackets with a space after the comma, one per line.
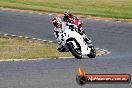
[75, 43]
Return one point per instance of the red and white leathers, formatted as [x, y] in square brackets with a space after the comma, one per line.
[72, 19]
[61, 48]
[78, 23]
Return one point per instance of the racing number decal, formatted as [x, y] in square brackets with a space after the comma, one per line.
[62, 36]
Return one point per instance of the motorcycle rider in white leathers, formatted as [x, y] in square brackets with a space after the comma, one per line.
[59, 25]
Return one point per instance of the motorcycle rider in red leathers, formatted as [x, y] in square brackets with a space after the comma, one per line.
[75, 23]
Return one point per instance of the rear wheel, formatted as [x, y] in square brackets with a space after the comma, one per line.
[75, 51]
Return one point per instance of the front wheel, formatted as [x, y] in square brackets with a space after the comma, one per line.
[75, 51]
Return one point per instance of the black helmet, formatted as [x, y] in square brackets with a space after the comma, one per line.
[66, 13]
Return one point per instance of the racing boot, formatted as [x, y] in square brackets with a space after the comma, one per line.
[61, 49]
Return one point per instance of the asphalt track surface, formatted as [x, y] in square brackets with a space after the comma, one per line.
[113, 36]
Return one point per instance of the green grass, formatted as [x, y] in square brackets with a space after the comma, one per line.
[104, 8]
[19, 48]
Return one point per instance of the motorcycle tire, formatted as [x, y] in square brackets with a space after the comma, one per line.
[74, 53]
